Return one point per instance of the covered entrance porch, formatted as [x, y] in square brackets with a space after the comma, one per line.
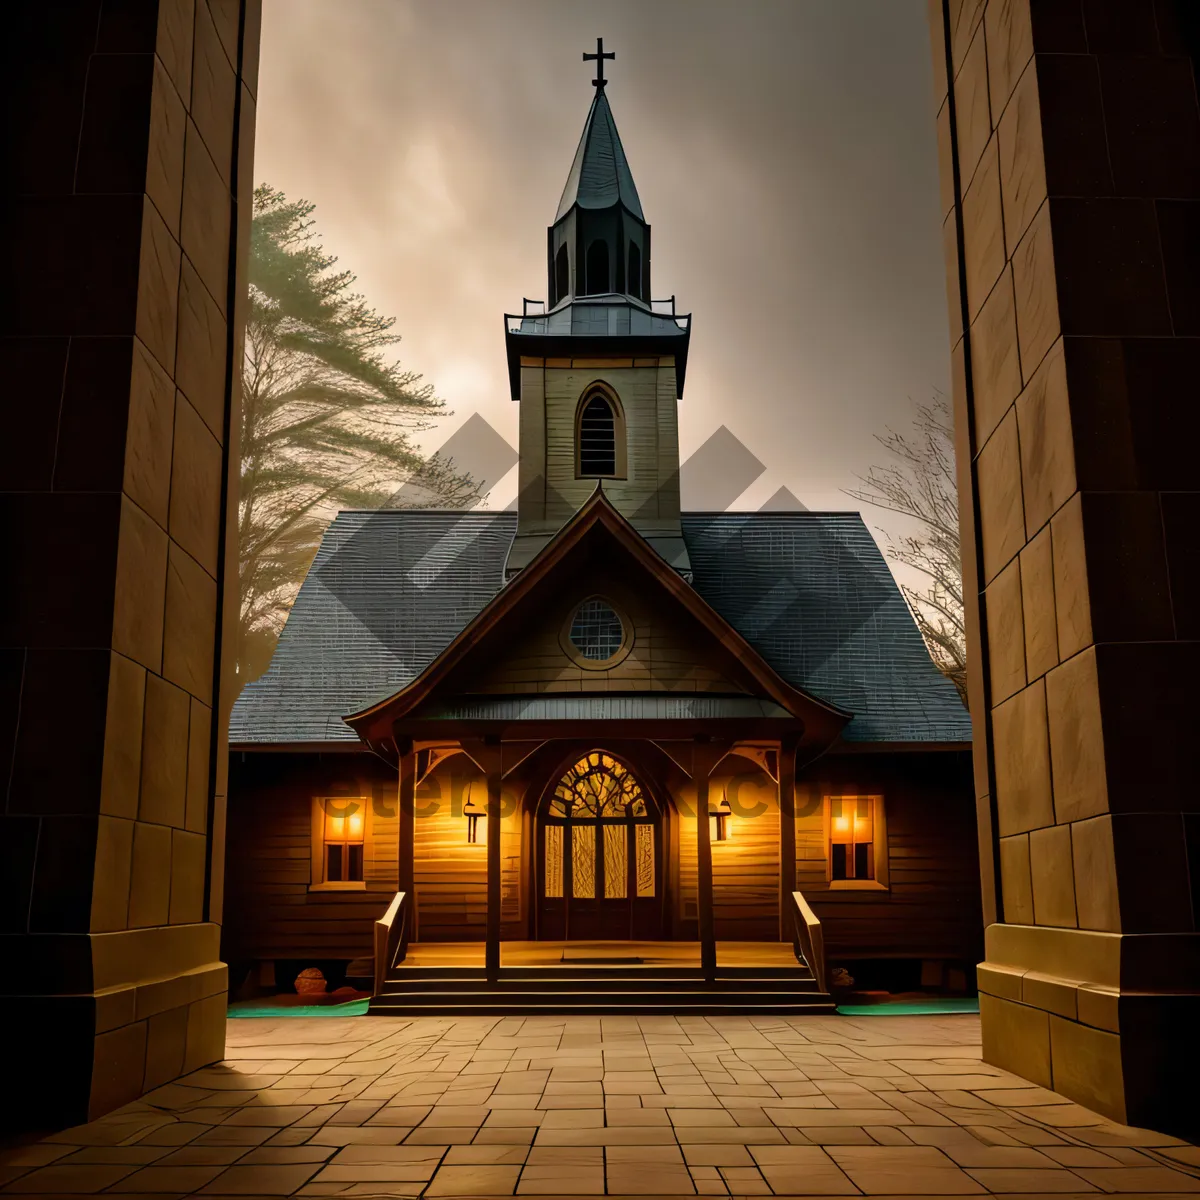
[601, 706]
[634, 977]
[606, 864]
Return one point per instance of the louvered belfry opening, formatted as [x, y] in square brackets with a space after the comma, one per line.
[597, 437]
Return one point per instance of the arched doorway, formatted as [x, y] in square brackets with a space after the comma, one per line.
[599, 854]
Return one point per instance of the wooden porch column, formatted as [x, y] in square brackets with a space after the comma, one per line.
[787, 835]
[406, 838]
[705, 756]
[492, 954]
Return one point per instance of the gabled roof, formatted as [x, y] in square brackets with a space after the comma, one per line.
[600, 175]
[390, 590]
[598, 524]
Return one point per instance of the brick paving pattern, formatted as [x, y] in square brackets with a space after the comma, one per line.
[587, 1106]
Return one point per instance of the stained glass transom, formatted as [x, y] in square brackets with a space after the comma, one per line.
[596, 631]
[598, 785]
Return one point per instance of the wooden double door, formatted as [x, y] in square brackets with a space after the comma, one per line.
[599, 856]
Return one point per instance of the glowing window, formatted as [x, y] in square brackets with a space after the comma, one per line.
[343, 840]
[596, 631]
[856, 841]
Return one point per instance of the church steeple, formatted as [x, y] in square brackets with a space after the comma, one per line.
[599, 243]
[600, 175]
[599, 369]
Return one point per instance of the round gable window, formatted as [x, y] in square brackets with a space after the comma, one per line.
[595, 634]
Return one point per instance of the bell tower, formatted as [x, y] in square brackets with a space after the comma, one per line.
[598, 369]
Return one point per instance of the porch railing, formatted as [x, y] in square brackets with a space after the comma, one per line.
[391, 937]
[807, 938]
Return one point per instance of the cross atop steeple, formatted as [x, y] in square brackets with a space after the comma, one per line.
[598, 58]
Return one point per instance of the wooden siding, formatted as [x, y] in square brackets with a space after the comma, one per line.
[746, 866]
[269, 910]
[932, 907]
[450, 875]
[666, 654]
[550, 493]
[684, 818]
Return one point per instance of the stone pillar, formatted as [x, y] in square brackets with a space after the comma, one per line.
[131, 136]
[1069, 142]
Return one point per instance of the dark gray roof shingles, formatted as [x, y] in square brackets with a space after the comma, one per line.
[600, 174]
[389, 590]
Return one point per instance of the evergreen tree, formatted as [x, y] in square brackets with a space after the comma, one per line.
[327, 417]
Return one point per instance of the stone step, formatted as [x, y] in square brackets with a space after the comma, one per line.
[696, 1002]
[548, 981]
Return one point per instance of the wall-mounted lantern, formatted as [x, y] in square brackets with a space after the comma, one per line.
[473, 810]
[718, 821]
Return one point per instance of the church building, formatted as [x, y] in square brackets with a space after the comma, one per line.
[599, 753]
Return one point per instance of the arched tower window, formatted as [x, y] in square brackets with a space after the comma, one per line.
[562, 274]
[600, 438]
[597, 268]
[634, 276]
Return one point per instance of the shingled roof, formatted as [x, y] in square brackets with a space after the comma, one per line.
[600, 174]
[389, 590]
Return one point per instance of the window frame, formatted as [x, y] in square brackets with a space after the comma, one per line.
[620, 461]
[316, 880]
[881, 882]
[573, 652]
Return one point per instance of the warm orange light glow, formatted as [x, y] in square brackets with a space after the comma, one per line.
[842, 824]
[356, 824]
[336, 828]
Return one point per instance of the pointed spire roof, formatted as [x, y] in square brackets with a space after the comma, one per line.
[600, 175]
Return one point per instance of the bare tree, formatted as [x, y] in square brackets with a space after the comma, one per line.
[920, 484]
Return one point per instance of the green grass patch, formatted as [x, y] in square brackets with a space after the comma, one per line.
[910, 1008]
[352, 1008]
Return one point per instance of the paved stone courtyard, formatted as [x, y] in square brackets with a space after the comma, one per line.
[583, 1106]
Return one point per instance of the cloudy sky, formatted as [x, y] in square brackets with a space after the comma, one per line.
[785, 157]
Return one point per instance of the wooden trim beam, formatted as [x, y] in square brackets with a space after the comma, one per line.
[662, 731]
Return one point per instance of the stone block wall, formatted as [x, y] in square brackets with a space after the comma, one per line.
[1069, 138]
[131, 143]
